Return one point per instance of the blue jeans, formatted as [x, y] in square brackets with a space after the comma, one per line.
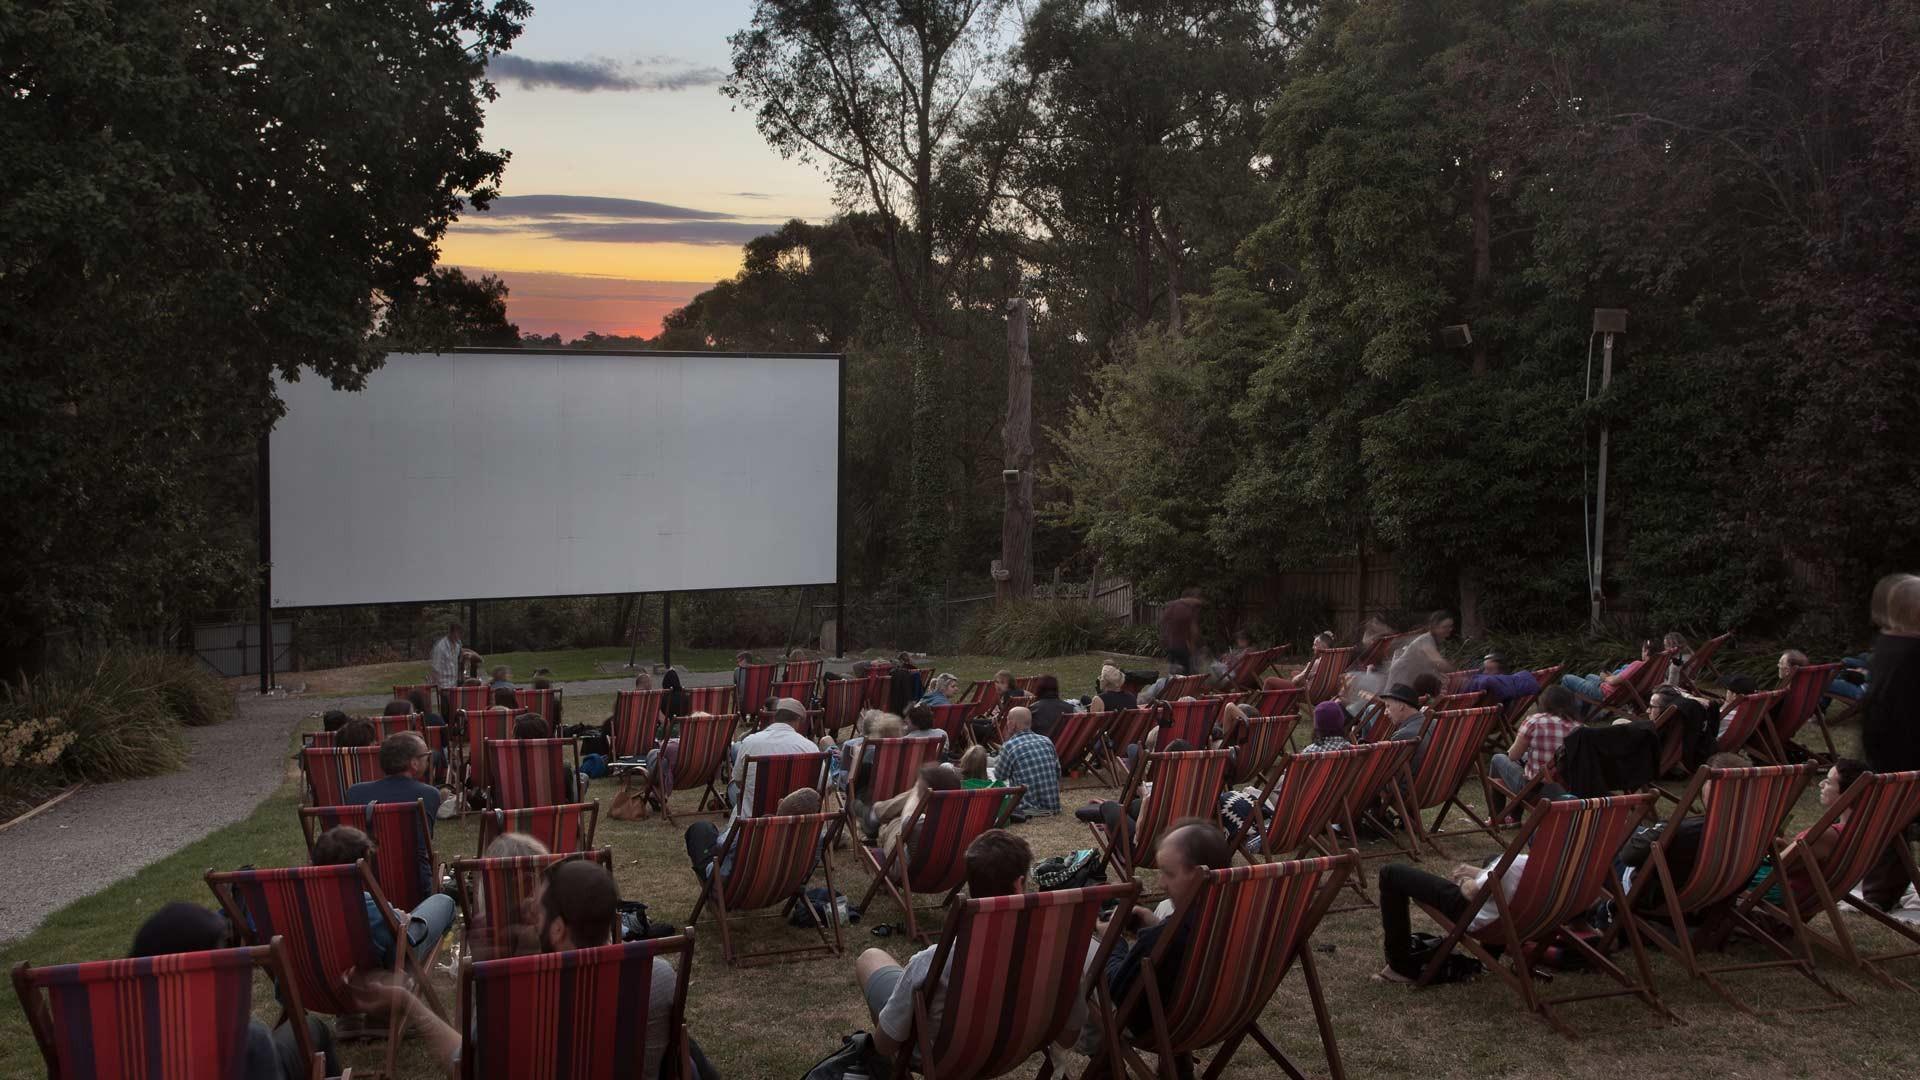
[1588, 686]
[428, 922]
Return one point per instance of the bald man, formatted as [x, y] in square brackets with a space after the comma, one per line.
[1027, 759]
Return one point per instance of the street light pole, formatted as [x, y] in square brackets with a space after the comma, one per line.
[1606, 322]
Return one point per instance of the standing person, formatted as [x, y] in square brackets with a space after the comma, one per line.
[1890, 724]
[1422, 655]
[448, 656]
[1180, 632]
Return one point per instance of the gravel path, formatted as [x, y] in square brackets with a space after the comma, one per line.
[105, 833]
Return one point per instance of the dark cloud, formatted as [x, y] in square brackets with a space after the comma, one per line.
[728, 233]
[748, 195]
[550, 206]
[587, 76]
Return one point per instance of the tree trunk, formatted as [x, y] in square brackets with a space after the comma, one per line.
[1482, 261]
[1470, 628]
[1170, 245]
[1016, 524]
[1142, 259]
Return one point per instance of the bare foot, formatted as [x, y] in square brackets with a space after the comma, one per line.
[1387, 974]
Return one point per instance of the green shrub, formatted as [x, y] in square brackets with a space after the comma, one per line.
[1035, 628]
[194, 695]
[123, 710]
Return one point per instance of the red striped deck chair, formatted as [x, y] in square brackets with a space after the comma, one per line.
[177, 1017]
[1306, 793]
[889, 767]
[1570, 846]
[1029, 685]
[878, 682]
[1742, 813]
[1275, 702]
[1245, 673]
[331, 771]
[317, 740]
[405, 693]
[1455, 681]
[757, 688]
[802, 671]
[592, 1006]
[842, 704]
[321, 914]
[1517, 709]
[483, 726]
[531, 772]
[800, 690]
[1702, 659]
[770, 778]
[1799, 702]
[402, 839]
[636, 721]
[1323, 678]
[1877, 810]
[562, 829]
[715, 700]
[769, 861]
[1079, 741]
[1741, 720]
[1245, 927]
[1372, 785]
[384, 725]
[1468, 699]
[1264, 740]
[984, 694]
[1453, 741]
[1379, 652]
[952, 719]
[1015, 967]
[545, 702]
[496, 899]
[1186, 784]
[1628, 696]
[1178, 686]
[704, 739]
[1130, 728]
[1372, 724]
[459, 699]
[931, 855]
[1192, 722]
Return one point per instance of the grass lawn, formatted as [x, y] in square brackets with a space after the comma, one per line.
[775, 1021]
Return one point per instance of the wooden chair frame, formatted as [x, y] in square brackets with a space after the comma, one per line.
[713, 888]
[894, 869]
[1157, 812]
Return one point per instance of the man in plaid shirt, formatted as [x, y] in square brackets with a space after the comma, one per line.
[1027, 759]
[1537, 746]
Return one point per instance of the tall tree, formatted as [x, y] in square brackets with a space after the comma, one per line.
[450, 310]
[184, 214]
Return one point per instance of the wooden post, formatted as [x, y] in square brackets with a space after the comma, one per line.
[1016, 523]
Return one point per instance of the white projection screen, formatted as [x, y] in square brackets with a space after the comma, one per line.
[494, 475]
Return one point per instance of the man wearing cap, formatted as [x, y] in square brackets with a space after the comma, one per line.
[1402, 703]
[782, 736]
[1494, 681]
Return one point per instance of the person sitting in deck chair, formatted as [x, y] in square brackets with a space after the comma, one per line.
[534, 726]
[1537, 745]
[1027, 759]
[426, 924]
[404, 758]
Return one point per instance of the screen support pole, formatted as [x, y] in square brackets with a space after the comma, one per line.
[666, 630]
[263, 490]
[840, 522]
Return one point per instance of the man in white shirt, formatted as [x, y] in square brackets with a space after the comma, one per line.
[448, 654]
[779, 737]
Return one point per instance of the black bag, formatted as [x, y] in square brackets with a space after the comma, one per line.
[855, 1056]
[1075, 871]
[1458, 967]
[592, 740]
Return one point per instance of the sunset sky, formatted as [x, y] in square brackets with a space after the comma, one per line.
[633, 182]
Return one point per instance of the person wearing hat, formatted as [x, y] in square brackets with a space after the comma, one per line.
[780, 736]
[1402, 703]
[1329, 729]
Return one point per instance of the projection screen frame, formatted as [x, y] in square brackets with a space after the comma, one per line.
[263, 491]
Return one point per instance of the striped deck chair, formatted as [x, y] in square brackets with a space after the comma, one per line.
[1324, 674]
[1628, 696]
[405, 693]
[1245, 927]
[770, 778]
[1467, 699]
[1252, 664]
[321, 914]
[545, 702]
[496, 899]
[1742, 812]
[877, 682]
[1028, 684]
[458, 699]
[1372, 787]
[636, 721]
[1516, 710]
[177, 1017]
[714, 700]
[1742, 719]
[1455, 681]
[592, 1005]
[1192, 722]
[704, 739]
[1799, 702]
[1570, 846]
[1130, 727]
[842, 704]
[1015, 967]
[1080, 742]
[768, 861]
[802, 671]
[330, 771]
[1265, 738]
[983, 694]
[1307, 793]
[384, 725]
[757, 688]
[952, 719]
[1702, 659]
[931, 855]
[800, 690]
[1178, 686]
[1371, 724]
[482, 727]
[562, 829]
[1453, 741]
[403, 861]
[1186, 784]
[888, 767]
[1380, 650]
[532, 772]
[1275, 702]
[1876, 810]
